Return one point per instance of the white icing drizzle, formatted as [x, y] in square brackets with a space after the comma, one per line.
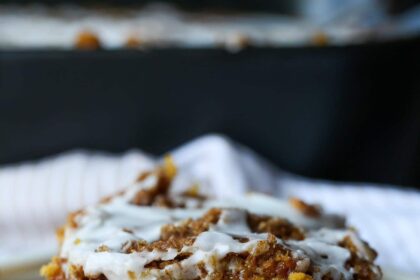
[117, 223]
[266, 205]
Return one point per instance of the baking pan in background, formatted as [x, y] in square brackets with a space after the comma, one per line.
[341, 113]
[280, 6]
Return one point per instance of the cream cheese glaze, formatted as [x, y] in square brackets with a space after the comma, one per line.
[118, 222]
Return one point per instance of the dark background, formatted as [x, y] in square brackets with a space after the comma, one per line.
[341, 113]
[281, 6]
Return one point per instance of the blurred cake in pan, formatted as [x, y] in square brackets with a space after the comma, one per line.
[150, 231]
[155, 26]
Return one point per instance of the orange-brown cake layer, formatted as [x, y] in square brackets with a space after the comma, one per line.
[148, 232]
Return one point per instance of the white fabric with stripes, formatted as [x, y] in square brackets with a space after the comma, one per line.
[36, 196]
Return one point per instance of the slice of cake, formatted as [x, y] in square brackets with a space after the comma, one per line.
[150, 232]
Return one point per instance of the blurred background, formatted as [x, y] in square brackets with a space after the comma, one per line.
[326, 89]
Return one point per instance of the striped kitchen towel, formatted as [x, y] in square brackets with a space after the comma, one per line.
[36, 196]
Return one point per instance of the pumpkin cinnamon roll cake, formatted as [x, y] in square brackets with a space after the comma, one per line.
[151, 232]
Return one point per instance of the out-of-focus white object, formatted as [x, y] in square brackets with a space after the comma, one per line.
[350, 12]
[36, 196]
